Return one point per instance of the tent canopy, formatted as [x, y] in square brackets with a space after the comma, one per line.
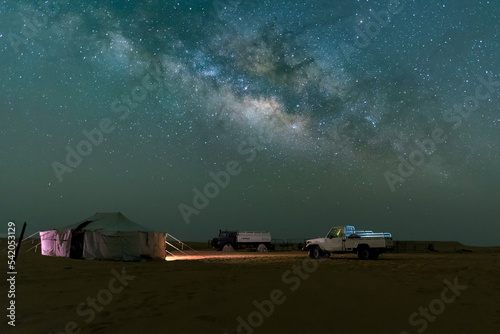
[108, 221]
[104, 236]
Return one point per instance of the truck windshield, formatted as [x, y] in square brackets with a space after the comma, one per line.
[335, 233]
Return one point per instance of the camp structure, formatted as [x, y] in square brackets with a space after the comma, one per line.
[104, 236]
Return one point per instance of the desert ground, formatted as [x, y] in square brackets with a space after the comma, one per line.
[244, 292]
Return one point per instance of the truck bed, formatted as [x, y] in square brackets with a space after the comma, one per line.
[369, 234]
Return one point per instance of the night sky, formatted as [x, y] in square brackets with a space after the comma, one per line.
[292, 117]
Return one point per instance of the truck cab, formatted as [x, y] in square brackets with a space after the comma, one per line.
[334, 239]
[225, 238]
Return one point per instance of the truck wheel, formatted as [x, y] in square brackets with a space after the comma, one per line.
[315, 252]
[228, 248]
[262, 248]
[364, 253]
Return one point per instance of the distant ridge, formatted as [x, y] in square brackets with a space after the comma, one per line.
[407, 246]
[440, 246]
[400, 246]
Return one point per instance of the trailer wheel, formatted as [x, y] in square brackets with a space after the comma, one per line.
[315, 252]
[228, 248]
[262, 248]
[364, 253]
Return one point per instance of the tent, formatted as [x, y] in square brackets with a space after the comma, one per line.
[104, 236]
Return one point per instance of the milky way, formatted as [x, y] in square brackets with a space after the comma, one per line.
[379, 114]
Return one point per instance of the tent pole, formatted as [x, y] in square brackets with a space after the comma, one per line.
[180, 241]
[20, 242]
[169, 253]
[38, 244]
[31, 235]
[25, 239]
[168, 243]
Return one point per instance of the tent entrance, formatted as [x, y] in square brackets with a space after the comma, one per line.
[76, 250]
[77, 236]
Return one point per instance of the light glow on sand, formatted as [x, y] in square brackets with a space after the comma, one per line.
[211, 255]
[186, 257]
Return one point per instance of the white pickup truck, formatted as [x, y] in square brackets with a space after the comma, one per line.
[345, 239]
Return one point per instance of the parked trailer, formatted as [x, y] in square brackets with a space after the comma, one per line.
[231, 240]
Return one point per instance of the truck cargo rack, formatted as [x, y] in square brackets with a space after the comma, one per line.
[365, 234]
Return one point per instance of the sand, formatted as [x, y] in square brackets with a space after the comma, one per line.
[282, 292]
